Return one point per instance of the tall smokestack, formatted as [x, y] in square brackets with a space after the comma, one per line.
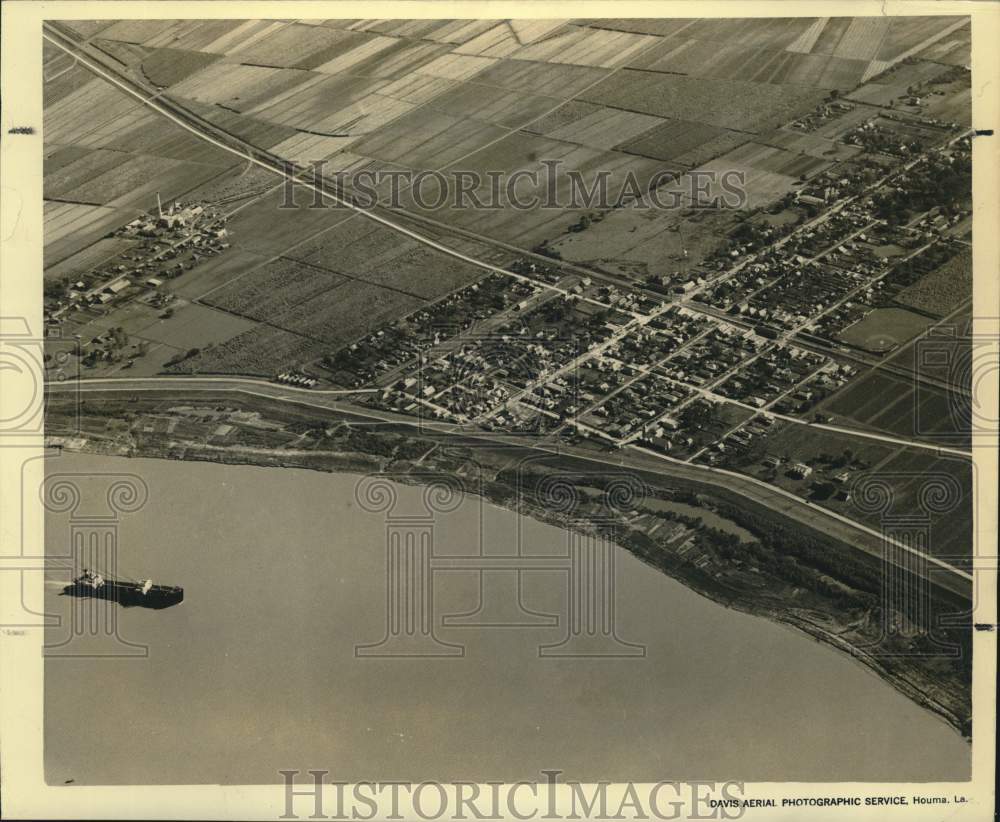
[159, 205]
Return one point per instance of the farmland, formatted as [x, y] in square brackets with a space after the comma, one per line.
[912, 410]
[942, 289]
[631, 97]
[838, 462]
[737, 104]
[628, 98]
[273, 288]
[761, 333]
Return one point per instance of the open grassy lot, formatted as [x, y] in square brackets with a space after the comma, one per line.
[884, 329]
[652, 239]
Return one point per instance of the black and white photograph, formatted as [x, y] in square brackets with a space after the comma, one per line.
[435, 416]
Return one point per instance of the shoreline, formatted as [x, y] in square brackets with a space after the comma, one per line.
[356, 463]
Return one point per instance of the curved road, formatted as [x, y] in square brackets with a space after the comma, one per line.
[777, 499]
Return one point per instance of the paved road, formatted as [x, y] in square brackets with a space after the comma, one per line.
[258, 157]
[249, 152]
[334, 400]
[846, 530]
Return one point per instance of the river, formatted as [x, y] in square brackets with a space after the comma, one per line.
[284, 575]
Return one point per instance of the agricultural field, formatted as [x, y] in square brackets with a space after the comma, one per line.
[61, 76]
[261, 351]
[370, 253]
[273, 288]
[682, 143]
[735, 104]
[913, 409]
[71, 227]
[126, 54]
[954, 49]
[911, 473]
[838, 463]
[594, 126]
[239, 87]
[812, 144]
[238, 184]
[584, 46]
[73, 116]
[942, 289]
[887, 88]
[167, 67]
[769, 173]
[88, 258]
[133, 177]
[291, 45]
[726, 61]
[62, 177]
[267, 226]
[632, 97]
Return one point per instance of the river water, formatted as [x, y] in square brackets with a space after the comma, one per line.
[285, 574]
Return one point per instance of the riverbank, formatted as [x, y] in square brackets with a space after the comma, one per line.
[791, 577]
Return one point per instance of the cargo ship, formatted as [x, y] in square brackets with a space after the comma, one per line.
[142, 594]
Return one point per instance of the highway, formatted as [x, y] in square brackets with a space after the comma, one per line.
[337, 400]
[258, 157]
[846, 530]
[253, 155]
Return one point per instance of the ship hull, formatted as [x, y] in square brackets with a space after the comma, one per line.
[128, 595]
